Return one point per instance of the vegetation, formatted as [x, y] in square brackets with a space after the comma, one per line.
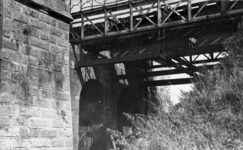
[210, 117]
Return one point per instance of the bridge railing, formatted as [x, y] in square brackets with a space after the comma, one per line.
[82, 5]
[122, 17]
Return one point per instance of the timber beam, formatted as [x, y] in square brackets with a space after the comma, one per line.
[161, 73]
[152, 56]
[168, 82]
[97, 62]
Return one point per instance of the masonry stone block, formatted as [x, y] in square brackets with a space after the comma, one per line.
[20, 17]
[39, 123]
[56, 104]
[33, 62]
[48, 133]
[9, 132]
[39, 43]
[41, 143]
[19, 121]
[33, 71]
[5, 98]
[48, 113]
[13, 4]
[57, 123]
[66, 35]
[63, 26]
[34, 32]
[7, 110]
[62, 43]
[45, 18]
[5, 144]
[12, 45]
[19, 143]
[7, 13]
[39, 25]
[53, 22]
[64, 132]
[53, 39]
[32, 80]
[57, 143]
[56, 50]
[55, 32]
[4, 120]
[45, 36]
[30, 12]
[68, 143]
[6, 33]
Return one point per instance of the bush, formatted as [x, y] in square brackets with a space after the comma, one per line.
[210, 117]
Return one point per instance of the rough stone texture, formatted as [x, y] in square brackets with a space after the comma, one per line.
[35, 101]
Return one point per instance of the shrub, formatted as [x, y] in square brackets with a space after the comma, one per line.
[210, 117]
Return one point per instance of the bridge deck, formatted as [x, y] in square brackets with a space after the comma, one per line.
[166, 32]
[111, 22]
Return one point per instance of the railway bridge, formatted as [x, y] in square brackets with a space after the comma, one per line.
[173, 33]
[121, 46]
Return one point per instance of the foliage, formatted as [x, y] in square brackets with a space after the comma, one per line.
[210, 117]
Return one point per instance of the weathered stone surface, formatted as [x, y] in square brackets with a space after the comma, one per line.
[19, 143]
[55, 32]
[4, 143]
[7, 13]
[4, 120]
[64, 132]
[31, 98]
[9, 44]
[38, 43]
[30, 12]
[37, 123]
[19, 121]
[57, 143]
[63, 25]
[48, 133]
[41, 143]
[57, 123]
[45, 36]
[13, 4]
[7, 110]
[68, 143]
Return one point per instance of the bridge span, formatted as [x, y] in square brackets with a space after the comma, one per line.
[173, 33]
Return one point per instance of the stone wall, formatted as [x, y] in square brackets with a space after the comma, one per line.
[35, 101]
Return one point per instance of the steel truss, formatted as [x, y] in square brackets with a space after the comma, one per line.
[174, 33]
[166, 13]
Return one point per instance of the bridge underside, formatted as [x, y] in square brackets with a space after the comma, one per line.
[176, 36]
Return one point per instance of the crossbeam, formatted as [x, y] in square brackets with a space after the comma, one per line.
[168, 82]
[96, 62]
[150, 56]
[160, 73]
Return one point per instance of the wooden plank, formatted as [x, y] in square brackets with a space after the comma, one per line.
[151, 74]
[168, 82]
[96, 62]
[159, 13]
[106, 23]
[82, 27]
[189, 10]
[131, 17]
